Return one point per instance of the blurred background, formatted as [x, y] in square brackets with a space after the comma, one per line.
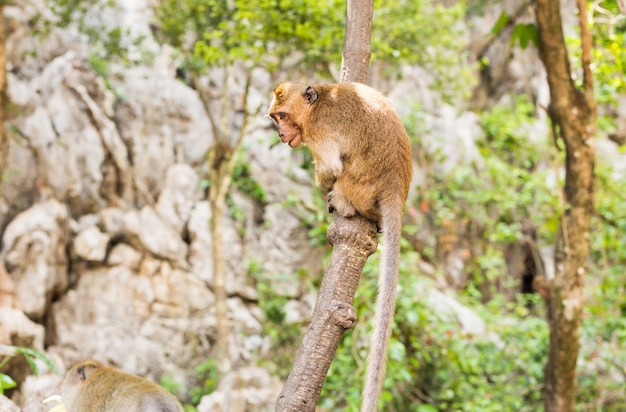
[151, 219]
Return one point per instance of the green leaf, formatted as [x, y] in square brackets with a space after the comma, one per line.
[503, 20]
[525, 33]
[6, 382]
[31, 354]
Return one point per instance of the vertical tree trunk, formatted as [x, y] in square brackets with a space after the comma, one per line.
[355, 59]
[220, 178]
[221, 160]
[4, 138]
[574, 111]
[222, 328]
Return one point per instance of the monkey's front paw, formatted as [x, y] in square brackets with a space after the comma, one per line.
[337, 202]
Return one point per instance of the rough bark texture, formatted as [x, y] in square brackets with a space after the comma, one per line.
[355, 59]
[4, 139]
[353, 240]
[574, 112]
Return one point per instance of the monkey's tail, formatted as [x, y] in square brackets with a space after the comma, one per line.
[385, 304]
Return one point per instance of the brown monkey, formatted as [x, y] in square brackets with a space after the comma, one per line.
[362, 159]
[90, 386]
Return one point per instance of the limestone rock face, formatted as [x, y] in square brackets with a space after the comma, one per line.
[162, 122]
[248, 389]
[34, 255]
[91, 244]
[7, 405]
[18, 330]
[104, 217]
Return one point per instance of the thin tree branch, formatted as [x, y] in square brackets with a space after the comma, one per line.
[353, 240]
[585, 39]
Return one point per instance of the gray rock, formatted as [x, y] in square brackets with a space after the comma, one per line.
[248, 389]
[91, 244]
[34, 255]
[6, 405]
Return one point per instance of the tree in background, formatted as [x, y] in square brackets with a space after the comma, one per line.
[573, 113]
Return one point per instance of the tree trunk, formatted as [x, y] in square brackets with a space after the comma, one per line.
[353, 240]
[220, 178]
[221, 160]
[574, 111]
[4, 138]
[222, 328]
[355, 58]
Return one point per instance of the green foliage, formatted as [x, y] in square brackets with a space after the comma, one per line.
[31, 355]
[243, 180]
[206, 378]
[6, 382]
[264, 33]
[501, 23]
[608, 32]
[245, 183]
[522, 33]
[427, 34]
[285, 337]
[317, 220]
[491, 198]
[206, 373]
[432, 365]
[93, 19]
[525, 33]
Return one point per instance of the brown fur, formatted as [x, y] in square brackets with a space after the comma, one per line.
[363, 160]
[90, 386]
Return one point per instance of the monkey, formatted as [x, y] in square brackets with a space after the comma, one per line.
[362, 158]
[89, 386]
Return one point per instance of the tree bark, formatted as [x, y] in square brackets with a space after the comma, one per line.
[355, 58]
[574, 111]
[222, 328]
[353, 240]
[4, 137]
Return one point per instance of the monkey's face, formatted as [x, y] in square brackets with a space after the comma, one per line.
[287, 131]
[286, 109]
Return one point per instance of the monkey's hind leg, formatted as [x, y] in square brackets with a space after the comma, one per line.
[337, 201]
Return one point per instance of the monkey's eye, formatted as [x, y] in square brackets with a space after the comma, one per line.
[282, 116]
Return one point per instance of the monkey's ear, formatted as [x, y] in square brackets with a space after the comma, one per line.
[82, 373]
[309, 94]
